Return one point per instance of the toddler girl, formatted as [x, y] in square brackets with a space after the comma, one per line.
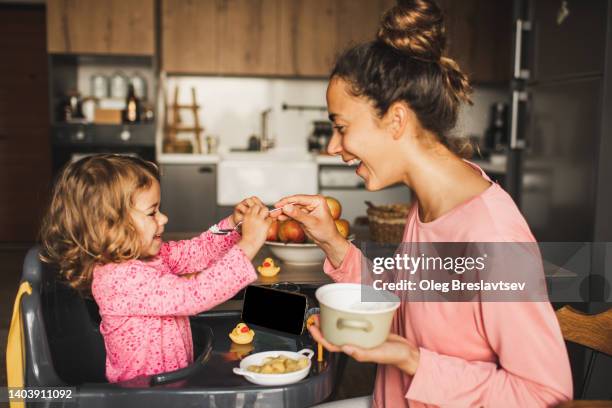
[103, 230]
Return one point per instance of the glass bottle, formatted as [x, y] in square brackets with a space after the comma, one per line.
[131, 114]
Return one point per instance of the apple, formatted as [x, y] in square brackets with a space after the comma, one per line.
[335, 208]
[343, 227]
[273, 231]
[291, 231]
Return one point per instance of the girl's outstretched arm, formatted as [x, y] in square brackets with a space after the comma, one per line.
[196, 254]
[137, 288]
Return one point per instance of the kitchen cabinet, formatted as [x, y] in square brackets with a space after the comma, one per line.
[479, 37]
[189, 196]
[314, 32]
[295, 38]
[558, 49]
[101, 27]
[308, 39]
[220, 37]
[301, 38]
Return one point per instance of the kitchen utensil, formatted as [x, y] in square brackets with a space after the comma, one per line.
[355, 314]
[218, 231]
[274, 379]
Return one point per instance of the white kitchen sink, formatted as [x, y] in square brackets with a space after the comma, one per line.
[267, 175]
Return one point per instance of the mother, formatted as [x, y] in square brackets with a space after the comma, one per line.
[393, 102]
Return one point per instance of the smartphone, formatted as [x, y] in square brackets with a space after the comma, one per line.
[274, 309]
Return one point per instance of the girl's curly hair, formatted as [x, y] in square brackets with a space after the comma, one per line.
[88, 221]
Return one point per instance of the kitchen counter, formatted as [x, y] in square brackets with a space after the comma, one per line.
[185, 158]
[188, 158]
[325, 159]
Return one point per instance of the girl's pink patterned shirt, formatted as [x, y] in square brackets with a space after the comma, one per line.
[145, 305]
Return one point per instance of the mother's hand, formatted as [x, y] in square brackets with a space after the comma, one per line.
[313, 213]
[396, 350]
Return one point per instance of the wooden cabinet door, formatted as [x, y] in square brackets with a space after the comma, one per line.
[189, 32]
[220, 36]
[479, 35]
[314, 32]
[358, 21]
[101, 27]
[249, 36]
[308, 41]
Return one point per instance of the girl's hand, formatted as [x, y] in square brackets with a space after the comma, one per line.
[395, 351]
[255, 225]
[313, 213]
[242, 207]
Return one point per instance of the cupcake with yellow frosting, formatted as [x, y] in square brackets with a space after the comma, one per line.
[268, 268]
[242, 334]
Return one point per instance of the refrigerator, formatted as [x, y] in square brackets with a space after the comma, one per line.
[556, 115]
[559, 168]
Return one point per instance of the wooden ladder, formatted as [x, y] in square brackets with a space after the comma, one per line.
[171, 143]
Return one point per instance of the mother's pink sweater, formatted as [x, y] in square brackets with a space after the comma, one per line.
[472, 354]
[145, 305]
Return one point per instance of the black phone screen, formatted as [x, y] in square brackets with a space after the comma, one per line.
[274, 309]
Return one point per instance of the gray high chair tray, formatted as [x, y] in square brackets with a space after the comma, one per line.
[64, 348]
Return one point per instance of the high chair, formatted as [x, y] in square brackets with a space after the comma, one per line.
[54, 341]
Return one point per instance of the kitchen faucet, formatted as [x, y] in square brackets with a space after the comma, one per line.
[266, 142]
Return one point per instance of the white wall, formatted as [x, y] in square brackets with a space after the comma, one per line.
[231, 107]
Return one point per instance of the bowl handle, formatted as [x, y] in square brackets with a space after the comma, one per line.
[242, 372]
[364, 325]
[308, 353]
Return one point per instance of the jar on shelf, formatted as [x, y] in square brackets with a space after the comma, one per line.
[99, 86]
[118, 85]
[139, 83]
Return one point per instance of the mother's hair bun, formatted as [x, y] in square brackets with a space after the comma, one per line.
[415, 27]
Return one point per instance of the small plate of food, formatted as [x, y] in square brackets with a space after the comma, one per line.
[276, 367]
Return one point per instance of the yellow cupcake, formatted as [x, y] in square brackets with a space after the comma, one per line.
[268, 268]
[242, 334]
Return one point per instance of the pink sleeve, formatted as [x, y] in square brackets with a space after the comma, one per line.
[139, 289]
[533, 368]
[196, 254]
[350, 269]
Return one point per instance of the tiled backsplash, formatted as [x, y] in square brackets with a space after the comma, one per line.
[231, 107]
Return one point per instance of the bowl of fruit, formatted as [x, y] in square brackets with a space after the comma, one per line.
[288, 242]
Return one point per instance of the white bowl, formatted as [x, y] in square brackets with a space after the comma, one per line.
[274, 379]
[298, 254]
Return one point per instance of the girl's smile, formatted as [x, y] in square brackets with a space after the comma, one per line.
[149, 220]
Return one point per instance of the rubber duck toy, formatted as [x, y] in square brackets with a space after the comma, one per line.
[268, 268]
[242, 334]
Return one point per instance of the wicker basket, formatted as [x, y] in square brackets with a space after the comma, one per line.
[387, 222]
